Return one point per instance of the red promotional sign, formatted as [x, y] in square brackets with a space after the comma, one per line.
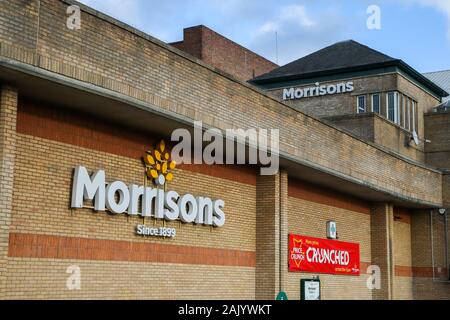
[316, 255]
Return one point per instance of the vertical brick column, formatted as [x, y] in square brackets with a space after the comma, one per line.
[8, 117]
[446, 189]
[271, 235]
[382, 237]
[284, 268]
[267, 236]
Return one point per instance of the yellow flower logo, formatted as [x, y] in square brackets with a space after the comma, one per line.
[158, 165]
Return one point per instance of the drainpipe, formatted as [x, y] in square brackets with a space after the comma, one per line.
[432, 243]
[445, 246]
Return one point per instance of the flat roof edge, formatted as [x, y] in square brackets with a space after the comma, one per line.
[110, 94]
[394, 63]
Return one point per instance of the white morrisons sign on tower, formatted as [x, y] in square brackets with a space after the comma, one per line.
[317, 90]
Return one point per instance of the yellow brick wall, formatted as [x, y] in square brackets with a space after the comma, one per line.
[46, 279]
[42, 190]
[8, 117]
[111, 55]
[114, 57]
[43, 183]
[403, 285]
[309, 219]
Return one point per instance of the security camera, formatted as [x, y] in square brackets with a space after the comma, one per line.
[442, 211]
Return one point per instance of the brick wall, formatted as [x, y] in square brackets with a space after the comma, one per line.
[423, 285]
[383, 250]
[113, 56]
[50, 143]
[247, 258]
[374, 128]
[403, 281]
[437, 127]
[222, 53]
[267, 237]
[338, 105]
[47, 236]
[446, 189]
[309, 208]
[8, 116]
[344, 103]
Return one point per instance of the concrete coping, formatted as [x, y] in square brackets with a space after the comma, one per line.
[176, 51]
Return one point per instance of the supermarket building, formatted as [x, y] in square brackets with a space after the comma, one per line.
[372, 156]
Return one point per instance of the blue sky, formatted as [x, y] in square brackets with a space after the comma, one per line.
[416, 31]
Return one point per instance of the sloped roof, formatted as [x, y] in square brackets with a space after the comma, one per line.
[441, 78]
[341, 57]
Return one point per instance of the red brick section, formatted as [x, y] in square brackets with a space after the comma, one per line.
[419, 272]
[302, 190]
[363, 266]
[222, 53]
[61, 125]
[58, 247]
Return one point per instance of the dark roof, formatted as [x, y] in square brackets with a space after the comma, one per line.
[345, 56]
[340, 55]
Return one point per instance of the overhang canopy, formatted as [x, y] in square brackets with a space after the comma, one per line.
[65, 92]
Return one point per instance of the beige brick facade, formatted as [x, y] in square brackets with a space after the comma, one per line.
[41, 143]
[437, 151]
[169, 81]
[8, 116]
[309, 218]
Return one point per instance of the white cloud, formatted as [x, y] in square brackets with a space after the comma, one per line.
[441, 5]
[299, 32]
[294, 15]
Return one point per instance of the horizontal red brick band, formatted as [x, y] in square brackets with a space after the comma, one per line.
[363, 266]
[60, 247]
[405, 271]
[420, 272]
[69, 127]
[302, 190]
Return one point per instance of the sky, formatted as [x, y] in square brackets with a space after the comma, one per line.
[416, 31]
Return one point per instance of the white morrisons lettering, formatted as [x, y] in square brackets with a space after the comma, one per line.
[119, 198]
[317, 90]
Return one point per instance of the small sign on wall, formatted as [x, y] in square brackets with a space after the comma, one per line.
[310, 289]
[331, 230]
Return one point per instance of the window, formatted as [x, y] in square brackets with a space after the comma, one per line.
[408, 114]
[361, 104]
[376, 105]
[404, 98]
[392, 106]
[413, 115]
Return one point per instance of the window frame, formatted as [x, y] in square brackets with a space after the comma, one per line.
[358, 104]
[379, 102]
[408, 114]
[395, 107]
[403, 109]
